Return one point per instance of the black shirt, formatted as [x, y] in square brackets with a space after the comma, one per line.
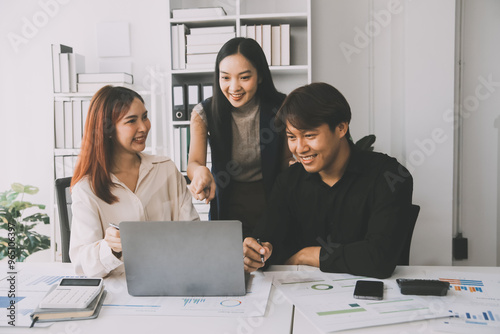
[361, 222]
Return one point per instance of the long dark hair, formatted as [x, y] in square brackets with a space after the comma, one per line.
[107, 107]
[266, 91]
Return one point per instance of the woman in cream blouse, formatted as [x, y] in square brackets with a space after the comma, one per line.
[114, 181]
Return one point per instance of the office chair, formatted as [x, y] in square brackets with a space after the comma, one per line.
[64, 208]
[404, 259]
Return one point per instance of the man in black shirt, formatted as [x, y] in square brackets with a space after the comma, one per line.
[339, 208]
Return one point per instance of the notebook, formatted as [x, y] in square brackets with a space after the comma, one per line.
[183, 258]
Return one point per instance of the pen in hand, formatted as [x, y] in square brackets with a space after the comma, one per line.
[261, 256]
[114, 225]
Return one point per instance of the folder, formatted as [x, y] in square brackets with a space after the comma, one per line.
[193, 97]
[207, 91]
[68, 124]
[179, 103]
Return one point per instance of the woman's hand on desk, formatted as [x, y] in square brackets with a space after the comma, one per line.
[112, 237]
[202, 185]
[255, 254]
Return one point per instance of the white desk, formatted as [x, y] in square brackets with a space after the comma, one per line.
[302, 326]
[280, 316]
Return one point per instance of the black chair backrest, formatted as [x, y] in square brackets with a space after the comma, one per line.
[64, 208]
[404, 259]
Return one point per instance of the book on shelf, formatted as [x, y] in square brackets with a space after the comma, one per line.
[275, 45]
[76, 66]
[243, 30]
[203, 48]
[92, 87]
[77, 123]
[285, 45]
[56, 49]
[201, 66]
[85, 111]
[258, 34]
[209, 39]
[183, 13]
[175, 47]
[64, 72]
[251, 31]
[105, 77]
[266, 42]
[212, 30]
[201, 58]
[59, 124]
[184, 148]
[68, 124]
[182, 31]
[58, 314]
[177, 147]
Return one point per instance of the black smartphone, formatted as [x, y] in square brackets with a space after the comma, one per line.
[373, 290]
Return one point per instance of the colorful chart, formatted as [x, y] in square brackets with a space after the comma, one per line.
[194, 301]
[464, 284]
[230, 303]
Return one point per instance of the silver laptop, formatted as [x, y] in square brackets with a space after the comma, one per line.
[183, 258]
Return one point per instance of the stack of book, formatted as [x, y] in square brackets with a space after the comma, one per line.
[274, 40]
[203, 44]
[65, 67]
[92, 82]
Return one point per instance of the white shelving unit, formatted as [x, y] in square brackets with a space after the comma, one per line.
[245, 12]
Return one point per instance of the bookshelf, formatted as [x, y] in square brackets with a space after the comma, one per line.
[239, 14]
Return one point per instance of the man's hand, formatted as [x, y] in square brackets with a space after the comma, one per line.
[253, 251]
[308, 256]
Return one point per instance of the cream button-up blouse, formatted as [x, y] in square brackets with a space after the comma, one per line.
[161, 194]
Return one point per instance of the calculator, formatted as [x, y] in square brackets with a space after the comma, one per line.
[73, 293]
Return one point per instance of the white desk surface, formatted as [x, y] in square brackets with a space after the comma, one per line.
[280, 316]
[302, 326]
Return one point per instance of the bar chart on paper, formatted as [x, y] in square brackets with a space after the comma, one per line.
[475, 307]
[464, 284]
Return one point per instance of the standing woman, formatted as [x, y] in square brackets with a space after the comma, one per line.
[114, 181]
[247, 150]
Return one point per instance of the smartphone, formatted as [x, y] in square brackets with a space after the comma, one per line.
[373, 290]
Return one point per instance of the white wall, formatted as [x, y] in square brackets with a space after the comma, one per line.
[399, 83]
[480, 137]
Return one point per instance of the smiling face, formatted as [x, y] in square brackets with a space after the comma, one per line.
[318, 149]
[238, 79]
[132, 130]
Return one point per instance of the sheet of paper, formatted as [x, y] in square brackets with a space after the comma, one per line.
[327, 301]
[473, 303]
[253, 304]
[26, 289]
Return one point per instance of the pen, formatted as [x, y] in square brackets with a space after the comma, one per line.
[114, 225]
[261, 256]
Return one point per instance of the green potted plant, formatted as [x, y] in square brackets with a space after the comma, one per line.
[21, 241]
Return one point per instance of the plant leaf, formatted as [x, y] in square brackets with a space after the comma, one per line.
[17, 187]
